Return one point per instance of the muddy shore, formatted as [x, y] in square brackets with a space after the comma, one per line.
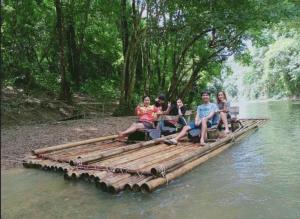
[16, 141]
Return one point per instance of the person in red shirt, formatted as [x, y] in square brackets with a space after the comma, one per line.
[147, 115]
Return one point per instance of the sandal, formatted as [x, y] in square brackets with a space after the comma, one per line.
[170, 142]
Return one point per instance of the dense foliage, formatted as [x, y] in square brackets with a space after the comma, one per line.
[120, 50]
[273, 70]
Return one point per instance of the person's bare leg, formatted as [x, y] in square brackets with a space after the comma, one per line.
[131, 129]
[203, 131]
[225, 121]
[183, 132]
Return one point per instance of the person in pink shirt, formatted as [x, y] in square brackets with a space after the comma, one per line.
[147, 115]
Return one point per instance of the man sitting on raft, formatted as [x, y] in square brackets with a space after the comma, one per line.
[203, 120]
[147, 115]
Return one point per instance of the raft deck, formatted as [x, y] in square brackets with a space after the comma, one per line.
[114, 165]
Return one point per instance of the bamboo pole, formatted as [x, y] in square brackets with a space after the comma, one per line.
[108, 181]
[137, 162]
[73, 144]
[120, 185]
[100, 155]
[137, 186]
[149, 156]
[163, 167]
[65, 155]
[153, 184]
[144, 166]
[124, 158]
[143, 179]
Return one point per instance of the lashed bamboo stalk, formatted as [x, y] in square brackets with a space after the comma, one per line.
[153, 184]
[123, 158]
[142, 179]
[108, 181]
[163, 167]
[137, 186]
[73, 144]
[139, 162]
[66, 157]
[144, 166]
[100, 155]
[83, 147]
[209, 151]
[142, 159]
[120, 185]
[73, 174]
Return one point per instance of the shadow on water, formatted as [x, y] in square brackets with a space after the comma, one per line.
[258, 178]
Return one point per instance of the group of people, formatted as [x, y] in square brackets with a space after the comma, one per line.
[207, 115]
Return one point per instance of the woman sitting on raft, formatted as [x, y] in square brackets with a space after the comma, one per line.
[176, 109]
[147, 115]
[223, 106]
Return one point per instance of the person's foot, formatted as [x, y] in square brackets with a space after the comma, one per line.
[202, 142]
[227, 131]
[120, 135]
[171, 141]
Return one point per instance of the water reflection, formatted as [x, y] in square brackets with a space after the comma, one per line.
[258, 178]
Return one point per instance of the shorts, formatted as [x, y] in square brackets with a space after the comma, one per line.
[148, 125]
[194, 126]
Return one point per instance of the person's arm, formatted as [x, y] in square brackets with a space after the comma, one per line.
[182, 110]
[179, 112]
[197, 118]
[210, 115]
[226, 107]
[157, 111]
[168, 109]
[139, 111]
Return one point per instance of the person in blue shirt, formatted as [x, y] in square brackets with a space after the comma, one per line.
[203, 120]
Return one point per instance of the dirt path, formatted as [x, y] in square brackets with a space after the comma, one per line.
[19, 140]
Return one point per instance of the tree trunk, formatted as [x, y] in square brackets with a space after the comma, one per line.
[131, 47]
[65, 88]
[73, 55]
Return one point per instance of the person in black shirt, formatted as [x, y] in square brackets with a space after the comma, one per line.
[176, 109]
[161, 103]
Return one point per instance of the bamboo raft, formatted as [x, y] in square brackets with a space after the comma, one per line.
[115, 166]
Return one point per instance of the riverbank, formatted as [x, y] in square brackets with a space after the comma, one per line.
[18, 140]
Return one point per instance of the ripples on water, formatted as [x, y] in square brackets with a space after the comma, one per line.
[258, 178]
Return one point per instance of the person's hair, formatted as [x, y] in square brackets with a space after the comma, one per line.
[178, 98]
[162, 97]
[174, 101]
[224, 94]
[144, 97]
[205, 92]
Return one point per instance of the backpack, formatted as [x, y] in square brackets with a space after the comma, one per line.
[194, 135]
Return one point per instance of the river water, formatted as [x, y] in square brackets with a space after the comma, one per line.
[257, 178]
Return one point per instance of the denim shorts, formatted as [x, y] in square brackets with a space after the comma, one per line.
[147, 125]
[194, 126]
